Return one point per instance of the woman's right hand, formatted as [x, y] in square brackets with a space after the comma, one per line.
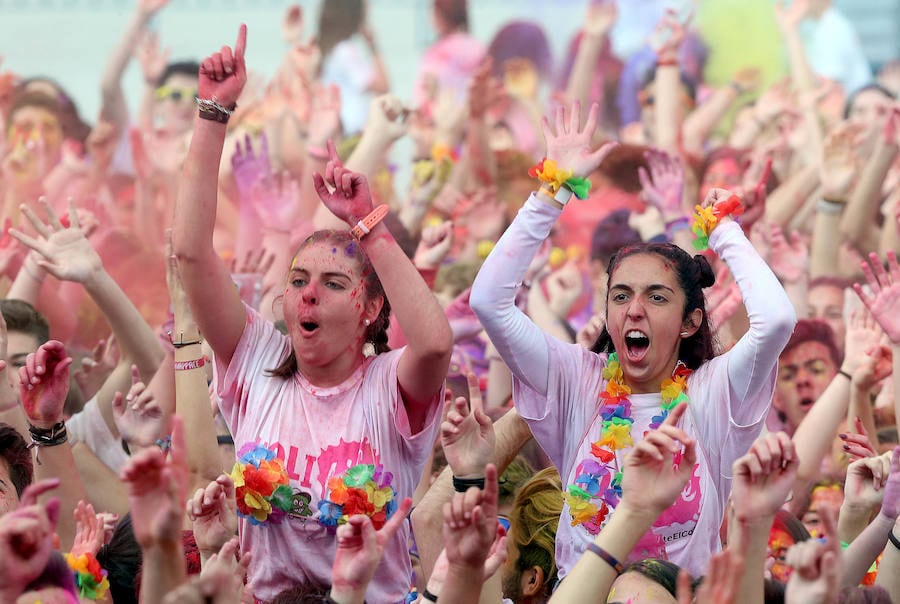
[569, 145]
[883, 301]
[223, 74]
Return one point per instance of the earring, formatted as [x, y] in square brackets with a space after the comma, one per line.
[684, 334]
[367, 322]
[368, 349]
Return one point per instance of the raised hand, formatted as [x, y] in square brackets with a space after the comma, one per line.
[470, 523]
[249, 168]
[651, 478]
[866, 479]
[600, 18]
[789, 260]
[434, 245]
[26, 540]
[343, 192]
[668, 36]
[663, 185]
[564, 287]
[588, 334]
[94, 369]
[721, 584]
[484, 90]
[152, 60]
[67, 254]
[467, 436]
[292, 24]
[387, 118]
[151, 7]
[138, 416]
[839, 163]
[763, 477]
[223, 74]
[89, 530]
[360, 548]
[872, 361]
[890, 506]
[569, 145]
[789, 17]
[156, 491]
[325, 118]
[44, 384]
[884, 300]
[220, 580]
[213, 511]
[495, 559]
[857, 445]
[816, 565]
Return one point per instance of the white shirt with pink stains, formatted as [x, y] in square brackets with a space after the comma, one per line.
[320, 433]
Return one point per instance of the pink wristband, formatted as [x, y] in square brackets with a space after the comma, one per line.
[187, 365]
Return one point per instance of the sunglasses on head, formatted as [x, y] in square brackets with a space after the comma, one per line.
[174, 93]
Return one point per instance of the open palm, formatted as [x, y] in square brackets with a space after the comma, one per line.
[883, 299]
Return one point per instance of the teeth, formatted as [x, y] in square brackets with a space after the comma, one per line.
[635, 334]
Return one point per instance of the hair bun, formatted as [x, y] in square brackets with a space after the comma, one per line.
[707, 276]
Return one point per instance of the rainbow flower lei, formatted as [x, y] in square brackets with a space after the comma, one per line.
[262, 486]
[90, 578]
[362, 489]
[598, 483]
[706, 219]
[555, 177]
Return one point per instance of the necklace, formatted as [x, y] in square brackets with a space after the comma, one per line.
[598, 480]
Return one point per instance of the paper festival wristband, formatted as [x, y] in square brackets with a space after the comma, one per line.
[706, 219]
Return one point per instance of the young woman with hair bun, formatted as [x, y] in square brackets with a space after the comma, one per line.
[588, 408]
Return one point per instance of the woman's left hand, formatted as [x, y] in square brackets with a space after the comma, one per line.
[343, 192]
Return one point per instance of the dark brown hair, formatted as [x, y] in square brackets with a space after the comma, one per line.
[14, 451]
[455, 13]
[25, 318]
[694, 274]
[814, 330]
[339, 20]
[376, 333]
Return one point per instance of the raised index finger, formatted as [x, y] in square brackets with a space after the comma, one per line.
[241, 43]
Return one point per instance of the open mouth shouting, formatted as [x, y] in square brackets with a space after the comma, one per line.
[637, 343]
[308, 328]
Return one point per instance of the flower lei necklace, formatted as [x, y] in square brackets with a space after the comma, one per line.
[598, 479]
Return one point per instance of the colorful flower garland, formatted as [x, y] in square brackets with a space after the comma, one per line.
[554, 177]
[363, 489]
[598, 480]
[262, 486]
[90, 578]
[707, 218]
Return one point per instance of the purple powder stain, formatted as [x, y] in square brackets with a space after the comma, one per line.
[350, 250]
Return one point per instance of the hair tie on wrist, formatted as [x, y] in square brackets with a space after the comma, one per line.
[47, 437]
[429, 596]
[461, 485]
[706, 219]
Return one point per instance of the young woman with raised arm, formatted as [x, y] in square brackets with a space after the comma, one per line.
[588, 408]
[310, 407]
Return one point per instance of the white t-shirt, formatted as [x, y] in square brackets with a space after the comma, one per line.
[350, 68]
[319, 433]
[834, 50]
[89, 427]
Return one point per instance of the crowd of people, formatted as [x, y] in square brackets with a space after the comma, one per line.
[628, 334]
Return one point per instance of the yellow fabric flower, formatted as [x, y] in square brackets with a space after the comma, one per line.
[581, 510]
[616, 436]
[554, 176]
[705, 220]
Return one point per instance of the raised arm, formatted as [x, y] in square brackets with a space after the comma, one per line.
[426, 358]
[520, 343]
[702, 120]
[207, 282]
[601, 17]
[114, 109]
[769, 309]
[667, 85]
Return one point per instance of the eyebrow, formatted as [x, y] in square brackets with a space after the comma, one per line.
[652, 287]
[328, 275]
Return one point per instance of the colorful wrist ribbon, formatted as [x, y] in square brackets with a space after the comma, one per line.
[706, 219]
[363, 489]
[550, 174]
[90, 578]
[262, 486]
[598, 482]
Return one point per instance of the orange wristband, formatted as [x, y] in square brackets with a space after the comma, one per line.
[365, 226]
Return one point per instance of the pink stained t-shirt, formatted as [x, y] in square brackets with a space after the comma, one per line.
[565, 422]
[320, 433]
